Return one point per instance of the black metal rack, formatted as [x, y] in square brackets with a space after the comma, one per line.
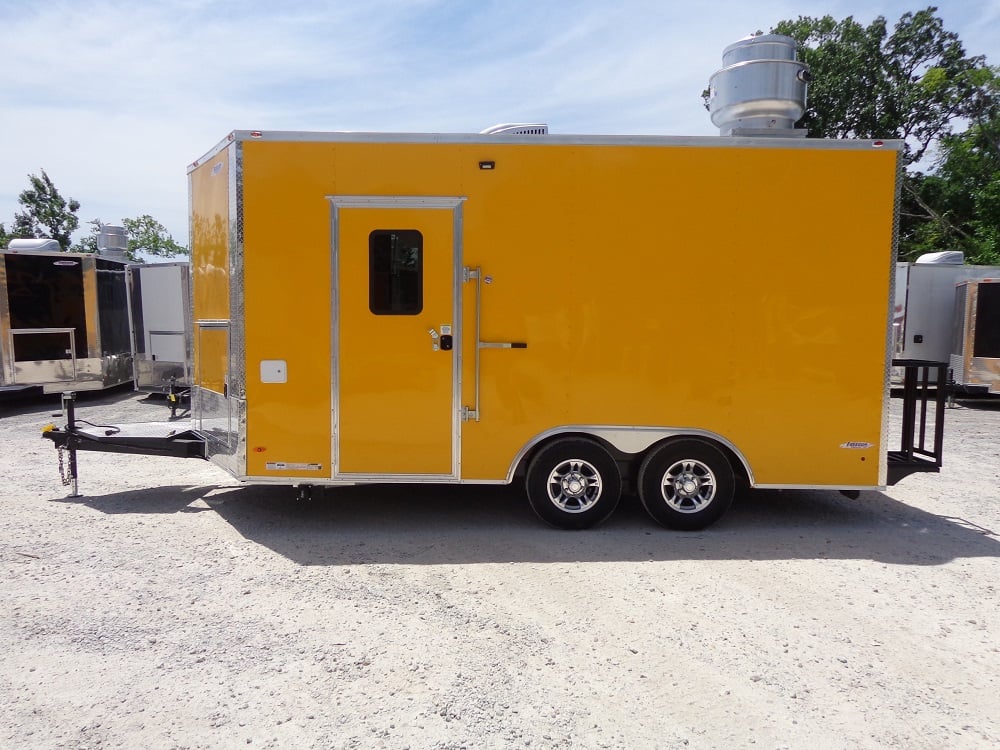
[920, 391]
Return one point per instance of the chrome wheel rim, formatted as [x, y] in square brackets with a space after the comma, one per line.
[688, 486]
[574, 486]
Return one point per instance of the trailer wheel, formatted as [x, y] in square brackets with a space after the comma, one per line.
[686, 484]
[573, 484]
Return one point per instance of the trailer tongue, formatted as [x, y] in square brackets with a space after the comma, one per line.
[173, 439]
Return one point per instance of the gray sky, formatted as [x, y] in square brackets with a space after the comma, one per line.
[115, 98]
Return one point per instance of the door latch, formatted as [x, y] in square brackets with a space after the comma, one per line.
[441, 341]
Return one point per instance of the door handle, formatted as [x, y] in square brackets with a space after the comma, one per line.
[476, 274]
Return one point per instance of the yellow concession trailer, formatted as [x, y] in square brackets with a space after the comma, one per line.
[588, 315]
[665, 315]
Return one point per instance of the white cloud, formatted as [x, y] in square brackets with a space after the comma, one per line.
[113, 98]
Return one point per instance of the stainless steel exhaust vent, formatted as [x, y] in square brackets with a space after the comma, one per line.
[112, 242]
[761, 88]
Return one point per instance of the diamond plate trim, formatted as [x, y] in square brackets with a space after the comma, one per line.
[237, 298]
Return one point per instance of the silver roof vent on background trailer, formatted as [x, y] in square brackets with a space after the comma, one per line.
[41, 245]
[517, 128]
[112, 241]
[761, 88]
[943, 258]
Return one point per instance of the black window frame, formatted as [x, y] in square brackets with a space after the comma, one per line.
[390, 298]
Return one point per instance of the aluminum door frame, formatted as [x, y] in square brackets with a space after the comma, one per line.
[438, 203]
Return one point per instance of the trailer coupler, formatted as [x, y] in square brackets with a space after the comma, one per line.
[148, 439]
[177, 397]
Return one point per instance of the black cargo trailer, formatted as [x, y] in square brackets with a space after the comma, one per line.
[63, 320]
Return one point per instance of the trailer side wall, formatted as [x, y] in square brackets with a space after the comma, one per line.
[660, 286]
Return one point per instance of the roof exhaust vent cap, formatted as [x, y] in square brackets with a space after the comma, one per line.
[112, 241]
[761, 90]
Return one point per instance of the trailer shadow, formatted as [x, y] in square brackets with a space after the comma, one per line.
[433, 524]
[987, 403]
[147, 501]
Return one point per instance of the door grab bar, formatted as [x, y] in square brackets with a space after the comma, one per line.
[468, 274]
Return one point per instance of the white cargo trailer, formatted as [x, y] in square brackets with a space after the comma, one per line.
[925, 306]
[160, 322]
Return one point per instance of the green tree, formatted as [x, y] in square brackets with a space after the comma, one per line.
[4, 237]
[958, 204]
[917, 84]
[146, 236]
[46, 213]
[914, 83]
[89, 243]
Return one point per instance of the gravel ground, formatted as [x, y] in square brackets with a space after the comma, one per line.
[171, 608]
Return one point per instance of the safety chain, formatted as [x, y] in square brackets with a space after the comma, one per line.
[64, 475]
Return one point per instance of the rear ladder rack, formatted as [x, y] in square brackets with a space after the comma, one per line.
[914, 454]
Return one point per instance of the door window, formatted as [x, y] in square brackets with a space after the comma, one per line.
[987, 341]
[395, 272]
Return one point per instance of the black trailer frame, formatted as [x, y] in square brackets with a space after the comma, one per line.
[920, 449]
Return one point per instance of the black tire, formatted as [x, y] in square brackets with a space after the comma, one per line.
[686, 484]
[573, 483]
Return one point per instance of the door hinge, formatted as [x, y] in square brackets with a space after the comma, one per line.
[469, 415]
[468, 274]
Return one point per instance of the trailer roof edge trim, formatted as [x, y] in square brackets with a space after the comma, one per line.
[696, 141]
[61, 254]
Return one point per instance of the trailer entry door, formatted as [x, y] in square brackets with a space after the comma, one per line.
[396, 343]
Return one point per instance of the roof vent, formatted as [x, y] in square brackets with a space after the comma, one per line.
[43, 245]
[517, 128]
[944, 258]
[761, 89]
[112, 241]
